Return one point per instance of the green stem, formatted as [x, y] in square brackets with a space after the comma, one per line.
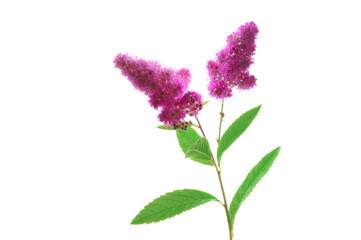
[220, 122]
[225, 203]
[200, 126]
[221, 184]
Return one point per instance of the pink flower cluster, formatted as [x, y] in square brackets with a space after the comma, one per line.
[165, 87]
[231, 66]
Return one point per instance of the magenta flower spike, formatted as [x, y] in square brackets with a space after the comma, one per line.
[165, 87]
[230, 69]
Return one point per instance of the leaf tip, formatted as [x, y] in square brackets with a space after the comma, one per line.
[278, 149]
[165, 127]
[138, 220]
[134, 222]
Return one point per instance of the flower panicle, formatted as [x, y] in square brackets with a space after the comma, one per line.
[165, 87]
[230, 69]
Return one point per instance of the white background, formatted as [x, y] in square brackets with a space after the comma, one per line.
[79, 151]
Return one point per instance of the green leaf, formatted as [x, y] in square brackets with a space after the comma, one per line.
[186, 139]
[165, 127]
[172, 204]
[200, 152]
[253, 177]
[235, 130]
[189, 139]
[205, 103]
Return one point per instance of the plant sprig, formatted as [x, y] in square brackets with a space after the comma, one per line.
[168, 92]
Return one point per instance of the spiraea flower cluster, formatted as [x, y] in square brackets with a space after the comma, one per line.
[165, 87]
[230, 69]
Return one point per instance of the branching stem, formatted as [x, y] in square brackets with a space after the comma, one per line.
[220, 180]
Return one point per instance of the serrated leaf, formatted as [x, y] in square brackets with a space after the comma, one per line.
[200, 152]
[253, 177]
[172, 204]
[186, 139]
[165, 127]
[236, 129]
